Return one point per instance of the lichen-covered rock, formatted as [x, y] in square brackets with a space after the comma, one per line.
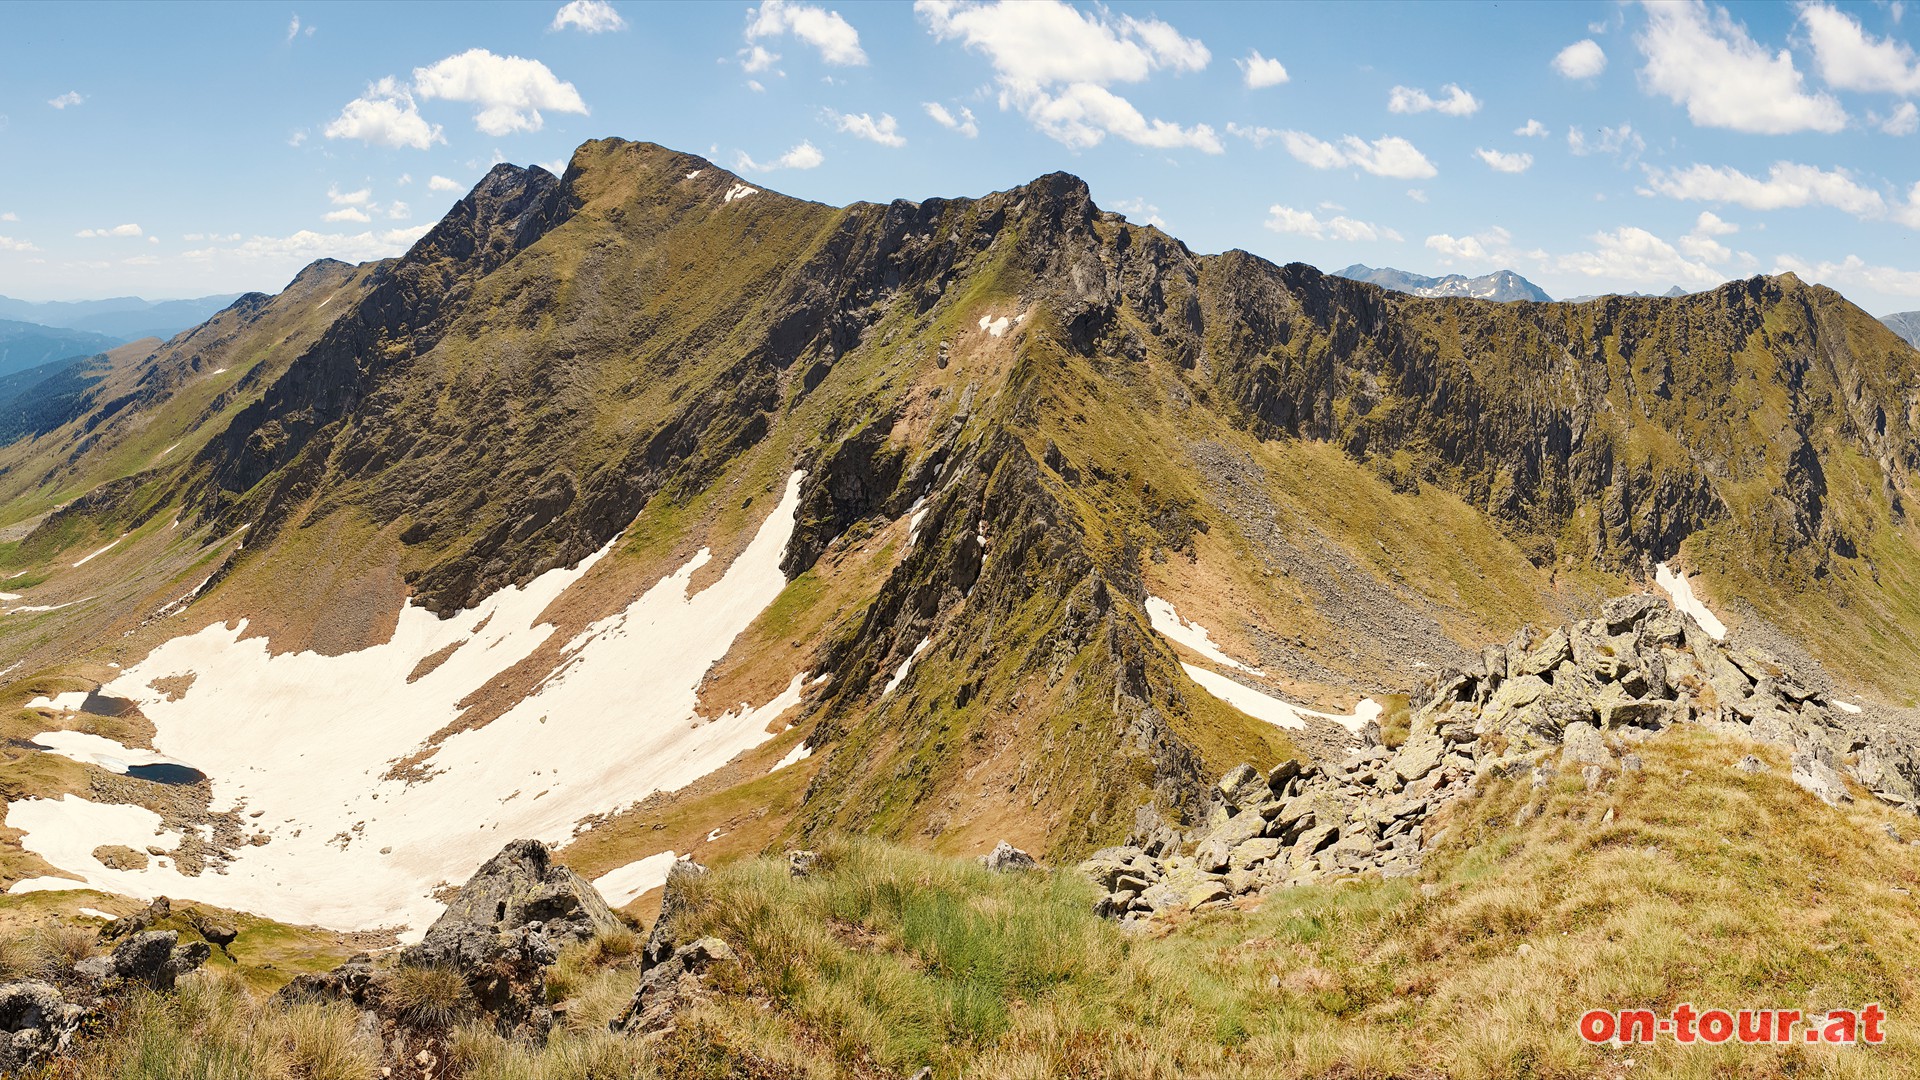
[515, 889]
[155, 959]
[1006, 857]
[36, 1022]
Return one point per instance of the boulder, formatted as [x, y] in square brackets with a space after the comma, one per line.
[1253, 852]
[155, 959]
[800, 863]
[1108, 865]
[514, 891]
[357, 981]
[1243, 786]
[1751, 764]
[668, 988]
[1582, 744]
[1006, 857]
[1820, 778]
[1418, 758]
[36, 1023]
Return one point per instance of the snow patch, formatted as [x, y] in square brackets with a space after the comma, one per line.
[9, 596]
[1273, 710]
[695, 173]
[1168, 624]
[1847, 707]
[98, 914]
[900, 673]
[1681, 592]
[715, 835]
[309, 740]
[995, 327]
[800, 752]
[624, 885]
[104, 752]
[738, 191]
[97, 554]
[67, 702]
[33, 609]
[47, 884]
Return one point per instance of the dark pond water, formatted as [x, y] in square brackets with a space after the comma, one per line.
[166, 773]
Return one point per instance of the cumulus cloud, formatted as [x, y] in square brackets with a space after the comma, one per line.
[1285, 219]
[1849, 58]
[9, 216]
[964, 123]
[296, 28]
[510, 90]
[117, 230]
[1905, 120]
[1493, 245]
[1633, 256]
[885, 130]
[1702, 242]
[1389, 155]
[71, 97]
[385, 116]
[306, 245]
[8, 243]
[1260, 72]
[588, 16]
[1581, 60]
[1701, 58]
[347, 213]
[1453, 101]
[1503, 162]
[803, 156]
[348, 198]
[1853, 272]
[756, 58]
[1141, 211]
[837, 40]
[1788, 184]
[1532, 129]
[1054, 63]
[1612, 141]
[441, 183]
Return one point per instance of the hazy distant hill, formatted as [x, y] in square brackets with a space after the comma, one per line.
[24, 345]
[1906, 324]
[123, 318]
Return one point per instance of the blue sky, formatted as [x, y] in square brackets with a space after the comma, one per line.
[174, 150]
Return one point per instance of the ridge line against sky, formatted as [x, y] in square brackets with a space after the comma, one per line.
[180, 150]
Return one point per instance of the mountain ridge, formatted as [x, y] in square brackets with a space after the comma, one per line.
[1500, 285]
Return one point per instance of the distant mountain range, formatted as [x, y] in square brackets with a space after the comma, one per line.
[1500, 285]
[123, 318]
[25, 345]
[1670, 293]
[1906, 324]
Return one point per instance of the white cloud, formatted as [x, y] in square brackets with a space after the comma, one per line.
[1453, 101]
[1634, 256]
[1141, 211]
[217, 238]
[884, 131]
[296, 28]
[9, 216]
[756, 86]
[964, 123]
[803, 156]
[1854, 272]
[1503, 162]
[1532, 129]
[306, 245]
[386, 116]
[1703, 59]
[1496, 244]
[1417, 195]
[1053, 63]
[117, 230]
[510, 90]
[589, 16]
[71, 97]
[348, 198]
[1082, 114]
[1700, 243]
[347, 213]
[837, 40]
[1389, 156]
[757, 58]
[441, 183]
[1788, 184]
[1285, 219]
[1581, 60]
[1261, 71]
[1908, 213]
[1904, 121]
[8, 243]
[1612, 141]
[1850, 59]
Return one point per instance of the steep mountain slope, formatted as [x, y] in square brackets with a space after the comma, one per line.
[1501, 285]
[644, 510]
[1906, 324]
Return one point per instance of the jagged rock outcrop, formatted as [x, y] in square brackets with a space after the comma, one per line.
[36, 1023]
[1561, 696]
[673, 973]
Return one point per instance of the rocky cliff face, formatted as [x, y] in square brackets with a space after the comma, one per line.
[1026, 401]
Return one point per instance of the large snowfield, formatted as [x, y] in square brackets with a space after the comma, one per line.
[300, 744]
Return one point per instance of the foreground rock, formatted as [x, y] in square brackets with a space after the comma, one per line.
[36, 1023]
[673, 976]
[1639, 668]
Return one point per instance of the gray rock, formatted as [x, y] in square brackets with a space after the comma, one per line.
[800, 863]
[1108, 865]
[1243, 786]
[1254, 852]
[1418, 758]
[1751, 764]
[1582, 744]
[1592, 775]
[154, 958]
[1820, 778]
[1630, 763]
[1280, 775]
[36, 1023]
[668, 988]
[491, 914]
[1005, 857]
